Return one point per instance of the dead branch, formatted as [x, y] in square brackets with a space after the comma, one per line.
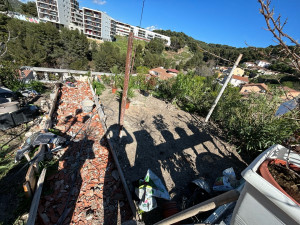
[275, 26]
[3, 45]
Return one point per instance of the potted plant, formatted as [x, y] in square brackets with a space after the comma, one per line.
[268, 203]
[130, 92]
[115, 71]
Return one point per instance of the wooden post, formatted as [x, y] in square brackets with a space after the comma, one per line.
[36, 199]
[126, 81]
[223, 88]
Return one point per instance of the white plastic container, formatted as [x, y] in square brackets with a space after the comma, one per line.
[262, 203]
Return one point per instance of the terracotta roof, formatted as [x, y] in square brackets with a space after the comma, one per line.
[245, 79]
[263, 85]
[172, 71]
[25, 72]
[162, 73]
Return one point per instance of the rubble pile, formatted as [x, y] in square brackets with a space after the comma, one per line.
[86, 188]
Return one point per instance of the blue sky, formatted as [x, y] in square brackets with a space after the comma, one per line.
[230, 22]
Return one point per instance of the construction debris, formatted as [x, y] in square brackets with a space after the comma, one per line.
[83, 190]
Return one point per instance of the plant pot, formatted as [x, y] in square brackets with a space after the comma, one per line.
[265, 173]
[127, 105]
[170, 209]
[267, 204]
[114, 90]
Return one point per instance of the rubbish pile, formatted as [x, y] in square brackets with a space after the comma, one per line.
[12, 113]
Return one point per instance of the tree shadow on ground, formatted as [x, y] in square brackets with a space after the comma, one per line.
[176, 161]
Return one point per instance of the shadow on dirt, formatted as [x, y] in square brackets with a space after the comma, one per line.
[176, 161]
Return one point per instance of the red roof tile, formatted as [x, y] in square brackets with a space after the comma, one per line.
[245, 79]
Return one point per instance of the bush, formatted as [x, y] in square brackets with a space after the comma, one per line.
[99, 87]
[36, 85]
[249, 122]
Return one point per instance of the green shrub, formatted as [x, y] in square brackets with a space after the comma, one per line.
[248, 122]
[99, 87]
[36, 85]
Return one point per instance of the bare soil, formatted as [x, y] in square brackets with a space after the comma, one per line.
[288, 179]
[177, 146]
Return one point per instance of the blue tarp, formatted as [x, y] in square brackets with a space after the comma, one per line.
[287, 107]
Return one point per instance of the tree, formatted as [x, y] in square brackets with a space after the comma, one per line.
[29, 9]
[155, 46]
[275, 26]
[3, 5]
[109, 56]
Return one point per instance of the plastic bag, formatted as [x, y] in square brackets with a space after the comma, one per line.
[150, 187]
[227, 182]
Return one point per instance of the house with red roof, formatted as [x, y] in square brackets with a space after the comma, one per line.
[258, 88]
[162, 73]
[237, 81]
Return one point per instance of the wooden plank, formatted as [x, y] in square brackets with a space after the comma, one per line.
[36, 199]
[31, 178]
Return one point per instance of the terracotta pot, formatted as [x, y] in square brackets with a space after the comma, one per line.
[170, 209]
[265, 173]
[114, 90]
[127, 105]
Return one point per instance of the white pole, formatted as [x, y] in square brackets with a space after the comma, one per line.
[223, 88]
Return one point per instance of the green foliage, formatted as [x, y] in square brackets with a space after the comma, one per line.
[106, 79]
[109, 56]
[131, 87]
[29, 9]
[36, 85]
[155, 46]
[99, 87]
[249, 122]
[8, 75]
[142, 70]
[281, 67]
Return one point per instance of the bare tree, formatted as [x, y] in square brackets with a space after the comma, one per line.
[275, 26]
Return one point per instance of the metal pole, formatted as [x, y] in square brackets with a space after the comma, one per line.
[126, 81]
[223, 88]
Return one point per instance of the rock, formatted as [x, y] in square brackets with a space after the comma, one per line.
[25, 216]
[28, 134]
[115, 175]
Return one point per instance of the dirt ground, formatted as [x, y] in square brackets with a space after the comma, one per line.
[174, 144]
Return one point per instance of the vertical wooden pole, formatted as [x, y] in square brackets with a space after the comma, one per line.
[223, 88]
[126, 81]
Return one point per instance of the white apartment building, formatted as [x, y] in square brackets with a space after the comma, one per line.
[123, 29]
[93, 23]
[263, 63]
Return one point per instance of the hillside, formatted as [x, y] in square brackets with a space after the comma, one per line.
[15, 5]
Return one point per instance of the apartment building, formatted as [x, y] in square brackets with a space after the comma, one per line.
[93, 23]
[76, 16]
[48, 10]
[96, 24]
